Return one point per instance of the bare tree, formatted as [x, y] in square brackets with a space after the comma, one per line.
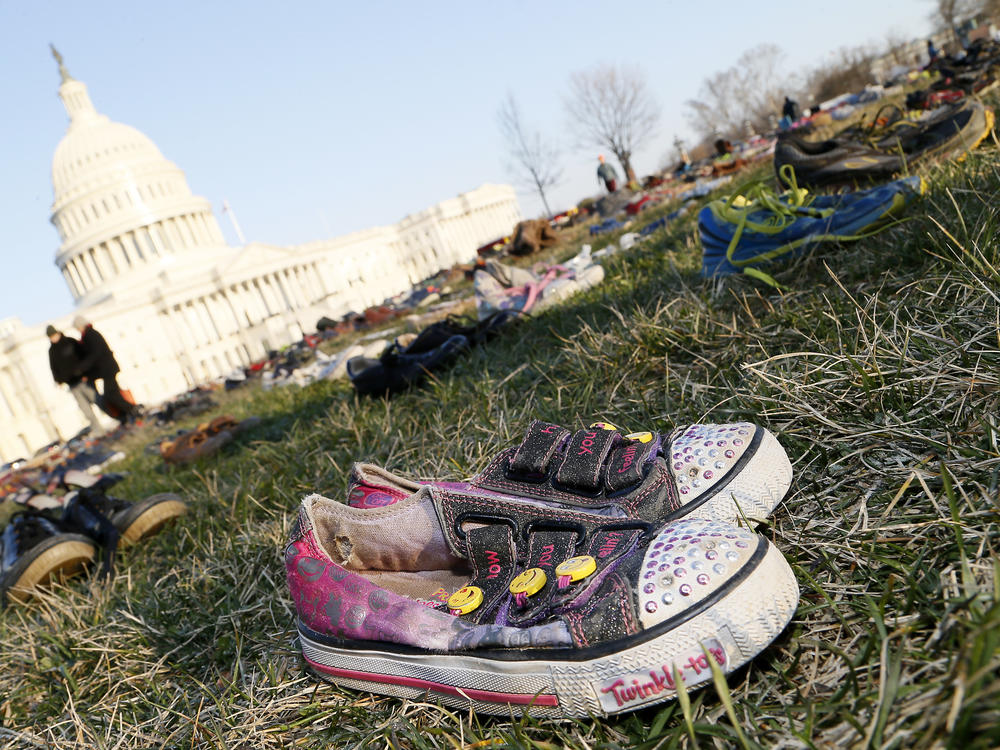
[751, 91]
[949, 13]
[535, 160]
[849, 69]
[610, 107]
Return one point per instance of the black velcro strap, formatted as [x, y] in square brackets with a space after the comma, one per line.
[606, 545]
[581, 466]
[627, 464]
[492, 553]
[536, 450]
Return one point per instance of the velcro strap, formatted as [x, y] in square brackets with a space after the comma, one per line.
[536, 450]
[628, 464]
[581, 466]
[492, 554]
[607, 545]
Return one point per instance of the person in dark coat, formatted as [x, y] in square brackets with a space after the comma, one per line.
[64, 361]
[97, 362]
[790, 109]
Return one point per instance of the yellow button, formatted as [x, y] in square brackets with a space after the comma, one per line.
[465, 600]
[604, 426]
[576, 567]
[642, 437]
[529, 582]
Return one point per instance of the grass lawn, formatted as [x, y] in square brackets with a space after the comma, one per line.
[878, 367]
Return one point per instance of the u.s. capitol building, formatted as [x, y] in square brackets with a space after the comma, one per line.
[146, 263]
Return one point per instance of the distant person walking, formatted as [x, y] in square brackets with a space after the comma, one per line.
[607, 174]
[932, 52]
[790, 109]
[64, 361]
[98, 363]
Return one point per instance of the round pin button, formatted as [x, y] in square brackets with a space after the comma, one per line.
[604, 426]
[576, 568]
[465, 600]
[529, 582]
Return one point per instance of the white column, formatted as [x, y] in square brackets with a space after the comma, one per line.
[103, 265]
[91, 269]
[69, 282]
[77, 270]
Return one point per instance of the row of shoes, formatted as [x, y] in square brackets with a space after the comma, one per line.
[581, 573]
[54, 536]
[755, 224]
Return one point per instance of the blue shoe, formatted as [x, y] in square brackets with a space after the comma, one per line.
[755, 225]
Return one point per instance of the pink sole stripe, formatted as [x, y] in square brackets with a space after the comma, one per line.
[487, 696]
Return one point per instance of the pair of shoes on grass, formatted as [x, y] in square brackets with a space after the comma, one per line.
[580, 573]
[204, 441]
[57, 537]
[401, 367]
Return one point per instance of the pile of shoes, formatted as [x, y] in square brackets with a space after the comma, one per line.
[501, 287]
[404, 365]
[80, 453]
[55, 536]
[582, 573]
[203, 441]
[973, 73]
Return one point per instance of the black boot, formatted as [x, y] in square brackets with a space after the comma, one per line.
[33, 549]
[110, 520]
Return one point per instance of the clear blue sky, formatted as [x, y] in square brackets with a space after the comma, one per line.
[314, 119]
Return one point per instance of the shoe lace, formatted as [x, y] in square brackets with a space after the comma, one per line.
[759, 196]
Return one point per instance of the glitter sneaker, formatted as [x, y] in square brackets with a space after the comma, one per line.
[720, 472]
[502, 606]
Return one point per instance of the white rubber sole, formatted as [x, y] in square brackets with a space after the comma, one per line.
[734, 630]
[750, 490]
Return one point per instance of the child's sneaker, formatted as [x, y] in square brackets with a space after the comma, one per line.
[724, 472]
[500, 605]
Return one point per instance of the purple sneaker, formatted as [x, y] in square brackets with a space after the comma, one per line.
[721, 472]
[501, 605]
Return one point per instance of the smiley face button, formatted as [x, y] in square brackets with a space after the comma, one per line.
[575, 569]
[529, 582]
[642, 437]
[466, 599]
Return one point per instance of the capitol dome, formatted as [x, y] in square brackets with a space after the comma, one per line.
[120, 207]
